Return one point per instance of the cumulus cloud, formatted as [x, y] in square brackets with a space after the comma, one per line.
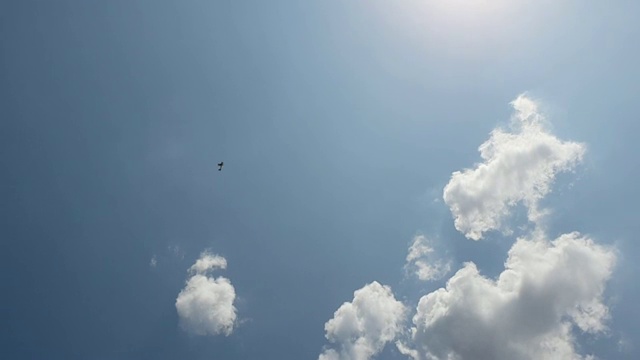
[360, 329]
[547, 289]
[422, 262]
[205, 305]
[519, 165]
[208, 262]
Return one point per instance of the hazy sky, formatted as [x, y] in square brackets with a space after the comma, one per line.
[403, 179]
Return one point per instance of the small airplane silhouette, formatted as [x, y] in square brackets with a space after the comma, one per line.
[220, 165]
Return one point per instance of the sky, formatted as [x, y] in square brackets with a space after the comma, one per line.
[416, 179]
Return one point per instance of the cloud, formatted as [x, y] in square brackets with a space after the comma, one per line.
[547, 289]
[153, 262]
[518, 166]
[205, 305]
[361, 328]
[421, 260]
[208, 262]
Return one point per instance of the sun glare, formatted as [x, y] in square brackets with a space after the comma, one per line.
[466, 27]
[458, 13]
[465, 13]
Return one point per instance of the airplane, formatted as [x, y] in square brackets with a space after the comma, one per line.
[220, 165]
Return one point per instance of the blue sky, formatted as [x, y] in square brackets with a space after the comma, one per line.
[340, 124]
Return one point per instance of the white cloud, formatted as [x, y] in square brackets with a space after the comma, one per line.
[518, 166]
[547, 289]
[208, 262]
[360, 329]
[205, 305]
[154, 261]
[421, 260]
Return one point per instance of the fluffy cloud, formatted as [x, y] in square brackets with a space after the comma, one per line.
[361, 328]
[205, 305]
[546, 289]
[518, 166]
[422, 262]
[208, 262]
